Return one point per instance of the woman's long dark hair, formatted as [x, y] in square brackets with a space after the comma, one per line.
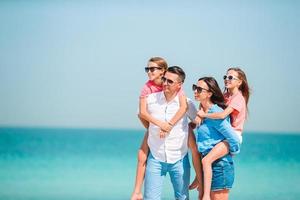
[217, 95]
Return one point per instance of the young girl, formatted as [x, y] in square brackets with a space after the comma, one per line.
[156, 69]
[236, 96]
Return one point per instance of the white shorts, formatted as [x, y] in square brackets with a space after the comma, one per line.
[239, 134]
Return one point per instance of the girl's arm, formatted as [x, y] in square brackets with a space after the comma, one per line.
[144, 115]
[144, 122]
[216, 115]
[181, 112]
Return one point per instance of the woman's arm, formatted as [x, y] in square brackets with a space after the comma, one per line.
[216, 115]
[224, 127]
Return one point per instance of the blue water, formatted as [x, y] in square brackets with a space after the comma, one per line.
[75, 164]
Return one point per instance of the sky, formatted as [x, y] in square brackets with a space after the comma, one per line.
[81, 63]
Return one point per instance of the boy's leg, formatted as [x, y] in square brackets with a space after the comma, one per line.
[141, 167]
[220, 150]
[154, 176]
[196, 158]
[180, 178]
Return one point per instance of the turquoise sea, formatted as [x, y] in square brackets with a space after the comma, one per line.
[88, 164]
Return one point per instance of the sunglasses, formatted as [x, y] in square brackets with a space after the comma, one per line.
[229, 78]
[151, 69]
[169, 81]
[198, 89]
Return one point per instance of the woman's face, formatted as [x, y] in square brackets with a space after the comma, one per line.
[232, 80]
[154, 71]
[202, 93]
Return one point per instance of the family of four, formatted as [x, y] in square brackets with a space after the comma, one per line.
[170, 118]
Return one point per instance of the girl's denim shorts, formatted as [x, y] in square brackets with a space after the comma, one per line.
[223, 175]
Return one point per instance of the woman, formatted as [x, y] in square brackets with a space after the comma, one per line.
[236, 97]
[210, 133]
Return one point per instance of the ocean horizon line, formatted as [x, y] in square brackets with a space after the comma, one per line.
[126, 129]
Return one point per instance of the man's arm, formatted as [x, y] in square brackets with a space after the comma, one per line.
[192, 110]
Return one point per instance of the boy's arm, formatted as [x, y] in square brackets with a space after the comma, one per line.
[216, 115]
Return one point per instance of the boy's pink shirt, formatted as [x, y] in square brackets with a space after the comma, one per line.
[150, 87]
[238, 116]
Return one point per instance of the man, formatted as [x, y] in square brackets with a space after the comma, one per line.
[168, 154]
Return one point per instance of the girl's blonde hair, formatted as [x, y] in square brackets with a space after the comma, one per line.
[160, 62]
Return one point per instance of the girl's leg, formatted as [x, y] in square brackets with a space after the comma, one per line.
[220, 150]
[141, 167]
[220, 195]
[196, 158]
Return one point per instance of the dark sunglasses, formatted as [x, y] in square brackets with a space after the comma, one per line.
[198, 89]
[229, 78]
[151, 69]
[169, 82]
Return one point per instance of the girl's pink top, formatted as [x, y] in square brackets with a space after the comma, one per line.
[150, 87]
[238, 116]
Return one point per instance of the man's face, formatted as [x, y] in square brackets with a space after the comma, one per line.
[171, 83]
